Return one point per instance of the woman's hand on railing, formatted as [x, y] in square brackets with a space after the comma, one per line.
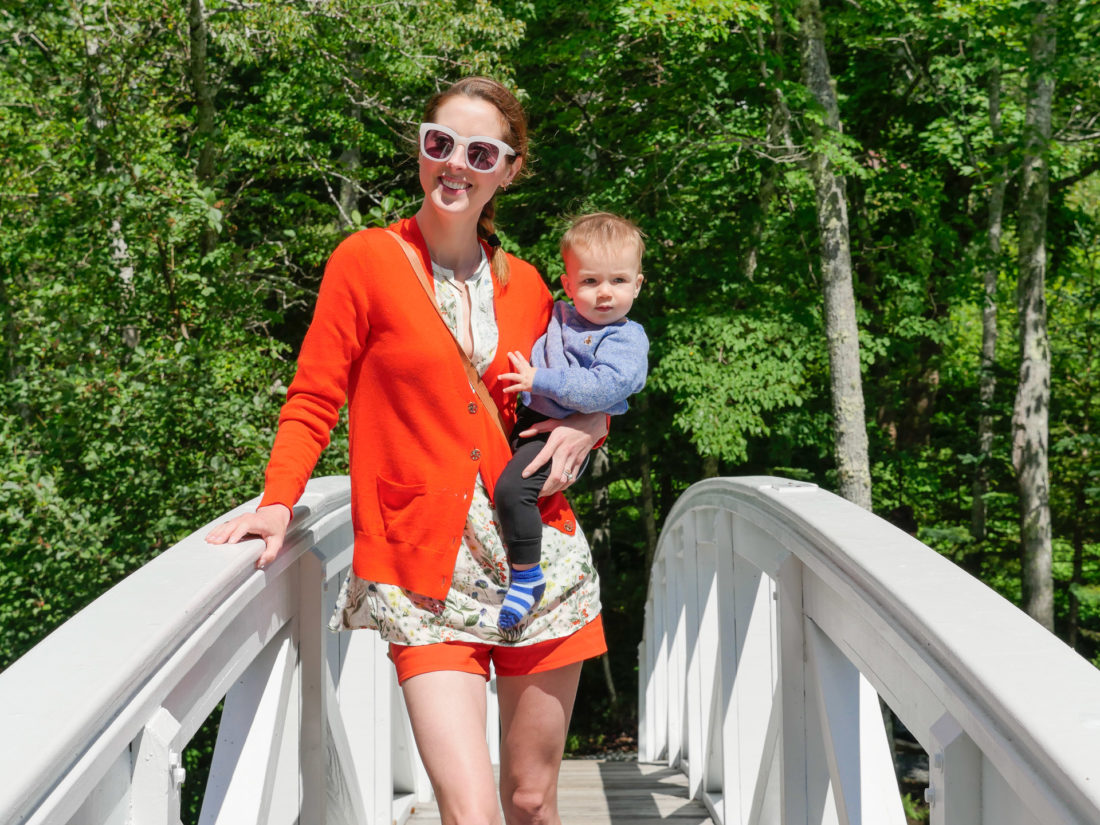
[269, 523]
[571, 440]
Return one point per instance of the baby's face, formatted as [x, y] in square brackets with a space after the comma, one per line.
[603, 283]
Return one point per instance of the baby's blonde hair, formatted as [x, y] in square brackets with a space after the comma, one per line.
[603, 229]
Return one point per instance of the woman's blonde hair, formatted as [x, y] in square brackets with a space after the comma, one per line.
[515, 135]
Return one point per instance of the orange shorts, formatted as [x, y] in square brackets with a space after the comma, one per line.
[470, 657]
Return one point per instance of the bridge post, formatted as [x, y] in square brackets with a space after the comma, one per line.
[707, 751]
[693, 689]
[752, 705]
[313, 743]
[954, 775]
[677, 669]
[658, 700]
[158, 772]
[804, 784]
[243, 773]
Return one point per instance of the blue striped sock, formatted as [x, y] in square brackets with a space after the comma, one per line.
[524, 593]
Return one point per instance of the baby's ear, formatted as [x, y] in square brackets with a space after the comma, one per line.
[566, 285]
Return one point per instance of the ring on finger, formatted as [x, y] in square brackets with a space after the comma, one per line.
[566, 475]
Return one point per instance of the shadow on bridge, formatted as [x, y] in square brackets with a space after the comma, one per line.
[634, 793]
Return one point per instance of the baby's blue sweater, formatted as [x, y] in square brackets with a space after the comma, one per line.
[584, 367]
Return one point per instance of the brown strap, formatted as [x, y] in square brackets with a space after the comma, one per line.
[471, 371]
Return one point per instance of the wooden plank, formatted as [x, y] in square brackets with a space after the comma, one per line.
[598, 792]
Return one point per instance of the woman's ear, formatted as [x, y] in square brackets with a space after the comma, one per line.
[513, 170]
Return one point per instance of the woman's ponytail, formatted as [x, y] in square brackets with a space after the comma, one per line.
[498, 261]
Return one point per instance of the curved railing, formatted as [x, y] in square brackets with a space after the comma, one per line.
[313, 728]
[777, 611]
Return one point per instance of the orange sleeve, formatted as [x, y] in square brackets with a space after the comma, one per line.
[335, 339]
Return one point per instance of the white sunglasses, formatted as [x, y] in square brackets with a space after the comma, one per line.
[483, 154]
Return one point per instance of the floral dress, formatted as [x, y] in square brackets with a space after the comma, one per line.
[471, 609]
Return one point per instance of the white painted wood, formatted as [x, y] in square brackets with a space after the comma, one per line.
[657, 737]
[344, 787]
[694, 711]
[158, 773]
[955, 775]
[253, 721]
[409, 775]
[751, 728]
[365, 710]
[154, 657]
[159, 621]
[223, 652]
[716, 631]
[800, 796]
[835, 685]
[928, 638]
[1001, 803]
[286, 790]
[645, 690]
[857, 752]
[492, 718]
[156, 654]
[313, 743]
[109, 801]
[878, 782]
[677, 639]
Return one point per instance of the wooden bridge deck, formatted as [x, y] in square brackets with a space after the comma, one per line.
[598, 792]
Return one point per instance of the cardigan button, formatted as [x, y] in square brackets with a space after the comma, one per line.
[475, 454]
[471, 408]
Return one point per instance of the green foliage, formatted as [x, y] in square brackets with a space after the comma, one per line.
[915, 810]
[149, 312]
[726, 374]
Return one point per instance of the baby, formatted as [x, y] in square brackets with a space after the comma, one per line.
[591, 359]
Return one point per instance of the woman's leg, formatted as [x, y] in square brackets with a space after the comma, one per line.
[534, 718]
[447, 709]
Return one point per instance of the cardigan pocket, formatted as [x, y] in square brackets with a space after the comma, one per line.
[416, 515]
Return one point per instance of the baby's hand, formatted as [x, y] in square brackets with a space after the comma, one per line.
[523, 376]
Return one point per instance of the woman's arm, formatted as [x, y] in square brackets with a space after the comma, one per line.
[334, 340]
[571, 439]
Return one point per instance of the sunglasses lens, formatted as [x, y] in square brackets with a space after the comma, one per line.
[438, 145]
[482, 156]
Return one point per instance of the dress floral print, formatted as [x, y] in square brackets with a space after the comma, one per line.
[471, 609]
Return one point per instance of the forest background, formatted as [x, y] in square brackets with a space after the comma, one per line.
[174, 175]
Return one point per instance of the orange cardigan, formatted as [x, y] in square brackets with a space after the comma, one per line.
[418, 434]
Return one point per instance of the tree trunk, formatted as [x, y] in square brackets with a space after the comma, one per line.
[849, 419]
[778, 135]
[105, 168]
[1073, 622]
[710, 466]
[987, 375]
[350, 159]
[204, 103]
[1031, 415]
[601, 531]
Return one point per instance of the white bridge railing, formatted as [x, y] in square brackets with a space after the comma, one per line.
[776, 611]
[93, 721]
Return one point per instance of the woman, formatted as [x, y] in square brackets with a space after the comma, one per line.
[429, 571]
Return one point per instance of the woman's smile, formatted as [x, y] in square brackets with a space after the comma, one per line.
[454, 183]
